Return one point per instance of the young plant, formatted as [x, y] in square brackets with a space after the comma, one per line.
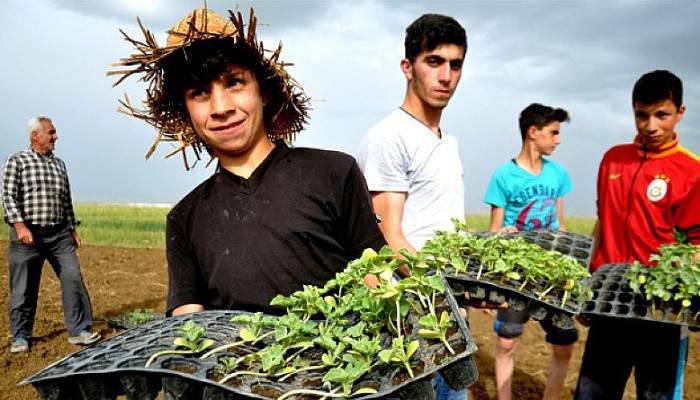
[362, 349]
[347, 375]
[432, 328]
[140, 316]
[400, 352]
[191, 341]
[226, 365]
[255, 324]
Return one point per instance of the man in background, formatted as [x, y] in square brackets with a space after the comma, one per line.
[38, 207]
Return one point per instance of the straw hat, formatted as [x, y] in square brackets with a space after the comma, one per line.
[172, 124]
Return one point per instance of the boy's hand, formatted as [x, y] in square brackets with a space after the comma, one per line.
[508, 229]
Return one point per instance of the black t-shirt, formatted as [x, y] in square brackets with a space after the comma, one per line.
[235, 243]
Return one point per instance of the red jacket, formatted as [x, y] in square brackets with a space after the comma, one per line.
[642, 197]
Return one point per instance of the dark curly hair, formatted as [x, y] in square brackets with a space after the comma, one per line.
[206, 60]
[431, 30]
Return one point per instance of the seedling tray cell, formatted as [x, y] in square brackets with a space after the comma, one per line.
[117, 366]
[612, 297]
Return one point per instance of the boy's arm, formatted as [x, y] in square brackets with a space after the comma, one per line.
[187, 309]
[560, 214]
[389, 206]
[596, 236]
[497, 215]
[496, 197]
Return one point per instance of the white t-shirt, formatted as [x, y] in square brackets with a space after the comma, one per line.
[401, 154]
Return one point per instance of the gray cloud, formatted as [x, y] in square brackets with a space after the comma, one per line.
[583, 56]
[163, 14]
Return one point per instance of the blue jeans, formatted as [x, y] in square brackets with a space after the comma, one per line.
[443, 391]
[56, 246]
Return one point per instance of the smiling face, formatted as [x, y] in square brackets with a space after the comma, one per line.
[656, 123]
[44, 140]
[227, 113]
[433, 76]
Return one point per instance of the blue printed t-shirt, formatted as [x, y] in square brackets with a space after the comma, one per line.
[529, 201]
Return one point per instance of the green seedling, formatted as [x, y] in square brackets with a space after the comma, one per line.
[254, 326]
[291, 329]
[363, 350]
[432, 328]
[347, 375]
[140, 316]
[226, 365]
[400, 352]
[191, 341]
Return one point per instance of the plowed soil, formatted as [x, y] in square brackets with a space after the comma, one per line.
[121, 279]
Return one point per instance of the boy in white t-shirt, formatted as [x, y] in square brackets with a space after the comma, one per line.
[412, 168]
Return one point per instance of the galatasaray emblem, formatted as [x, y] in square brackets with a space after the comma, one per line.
[657, 188]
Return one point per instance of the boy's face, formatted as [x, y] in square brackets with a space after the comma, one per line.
[433, 76]
[656, 123]
[227, 113]
[546, 139]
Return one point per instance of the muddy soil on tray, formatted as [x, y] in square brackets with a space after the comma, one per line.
[120, 280]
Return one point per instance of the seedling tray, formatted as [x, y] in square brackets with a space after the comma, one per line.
[612, 297]
[117, 366]
[567, 243]
[506, 290]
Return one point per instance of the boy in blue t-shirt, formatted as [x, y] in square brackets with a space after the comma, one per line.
[526, 193]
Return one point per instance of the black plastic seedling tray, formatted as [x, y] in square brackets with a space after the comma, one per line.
[576, 246]
[612, 297]
[570, 244]
[117, 366]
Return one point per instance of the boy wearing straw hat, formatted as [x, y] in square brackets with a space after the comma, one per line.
[271, 218]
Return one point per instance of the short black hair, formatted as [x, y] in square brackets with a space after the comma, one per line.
[539, 116]
[656, 86]
[431, 30]
[205, 61]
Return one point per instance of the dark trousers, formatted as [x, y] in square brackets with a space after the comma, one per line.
[56, 246]
[615, 346]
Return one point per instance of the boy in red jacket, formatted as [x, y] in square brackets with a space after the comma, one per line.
[646, 189]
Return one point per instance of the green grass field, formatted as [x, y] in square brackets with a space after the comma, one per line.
[128, 226]
[580, 225]
[119, 225]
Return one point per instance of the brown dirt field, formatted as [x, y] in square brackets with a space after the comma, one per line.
[120, 280]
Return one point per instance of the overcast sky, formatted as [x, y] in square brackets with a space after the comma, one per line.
[582, 56]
